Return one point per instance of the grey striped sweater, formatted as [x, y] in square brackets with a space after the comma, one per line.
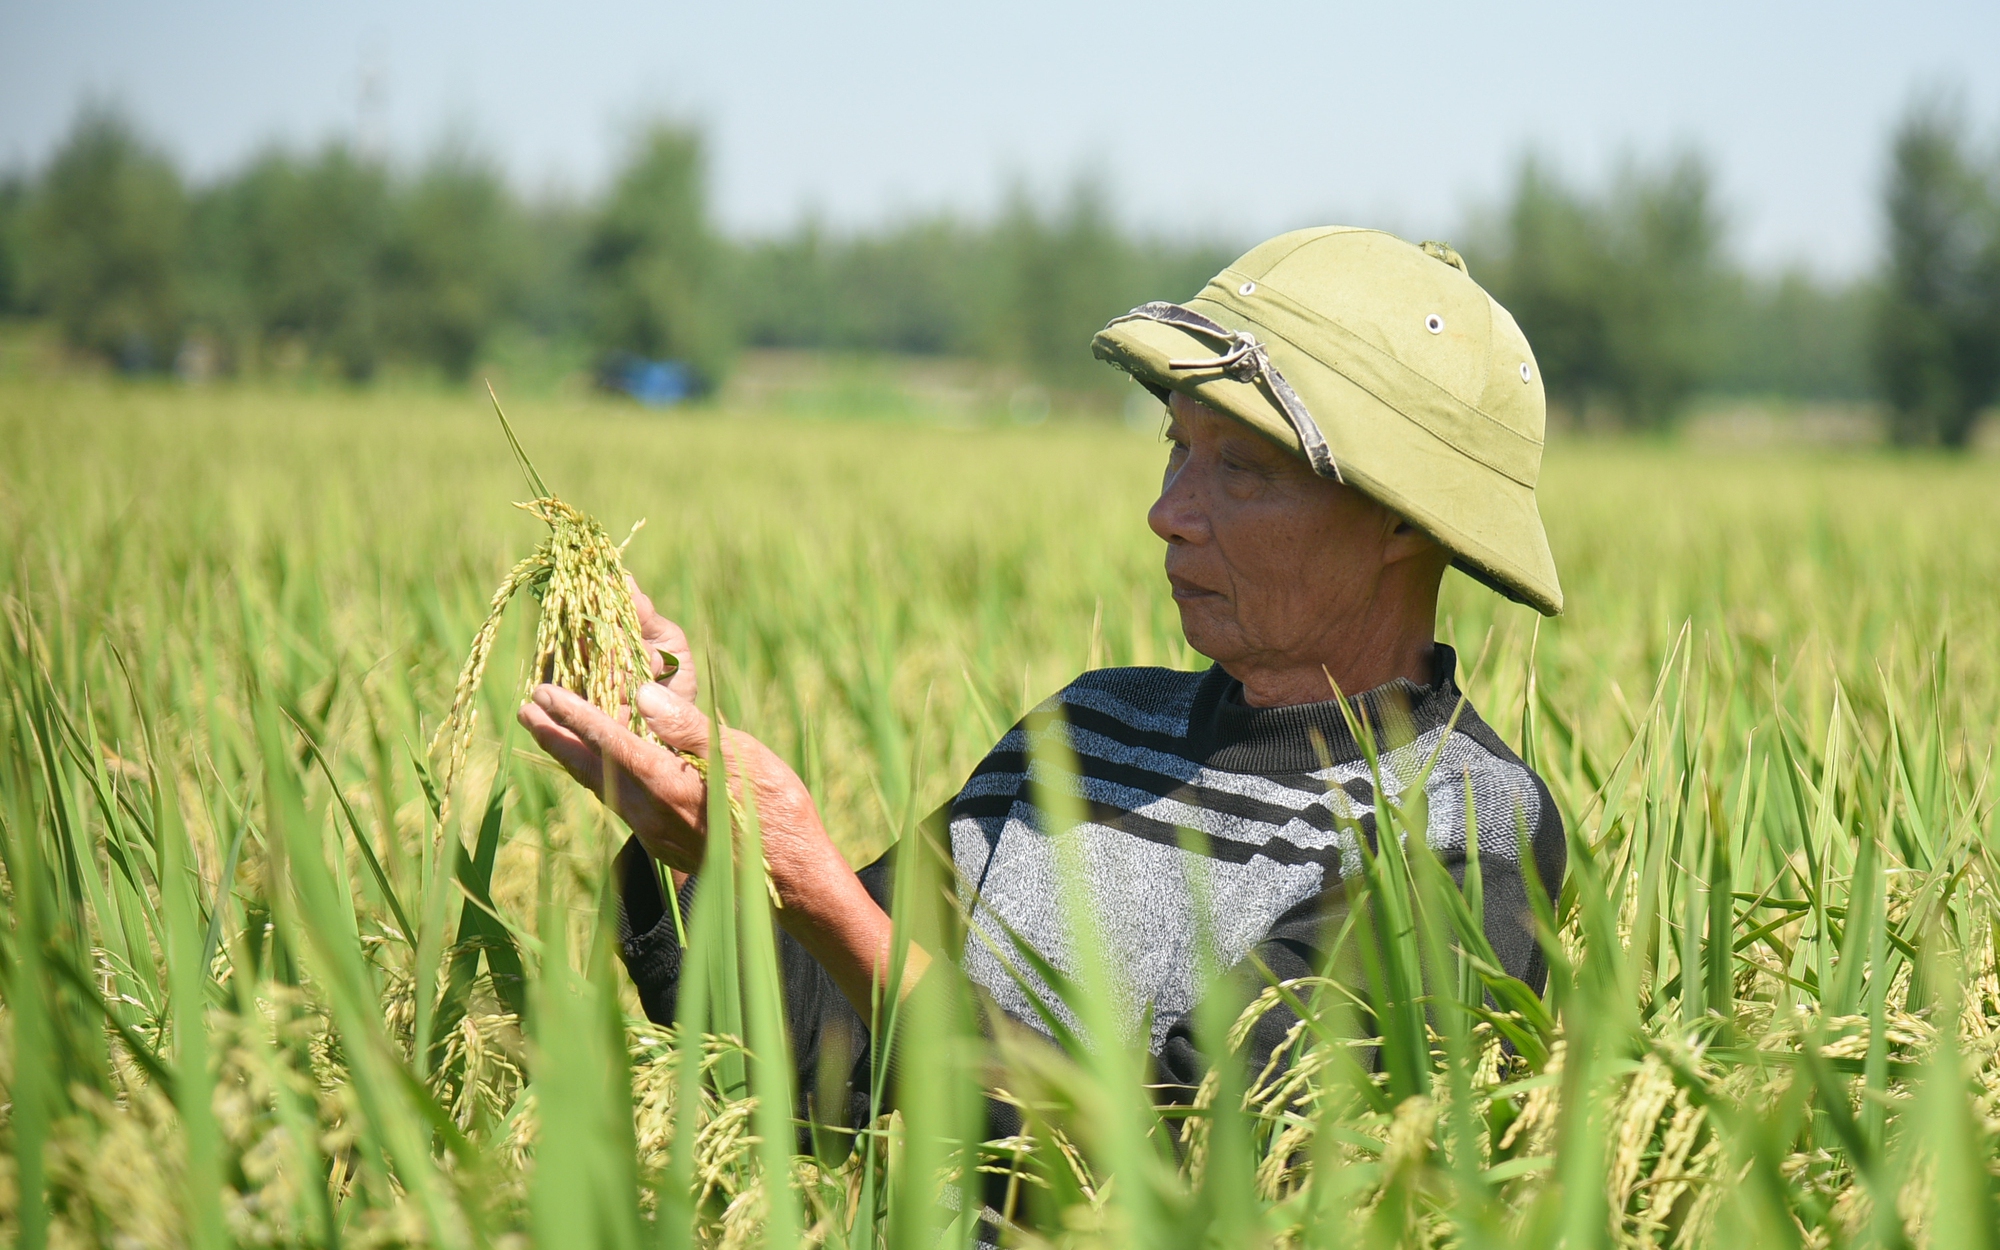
[1185, 792]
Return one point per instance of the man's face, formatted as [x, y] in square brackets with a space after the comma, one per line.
[1269, 562]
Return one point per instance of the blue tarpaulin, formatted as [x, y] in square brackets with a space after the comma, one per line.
[655, 383]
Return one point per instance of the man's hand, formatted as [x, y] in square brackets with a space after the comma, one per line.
[663, 639]
[665, 801]
[660, 794]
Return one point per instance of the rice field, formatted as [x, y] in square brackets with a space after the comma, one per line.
[256, 994]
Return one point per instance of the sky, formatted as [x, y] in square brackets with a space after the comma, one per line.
[1225, 118]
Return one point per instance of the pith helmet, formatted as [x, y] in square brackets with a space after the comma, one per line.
[1388, 368]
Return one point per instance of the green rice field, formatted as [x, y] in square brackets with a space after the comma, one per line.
[255, 994]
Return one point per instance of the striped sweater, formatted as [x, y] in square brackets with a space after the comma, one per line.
[1185, 793]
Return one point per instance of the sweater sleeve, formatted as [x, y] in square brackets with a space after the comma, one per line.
[830, 1044]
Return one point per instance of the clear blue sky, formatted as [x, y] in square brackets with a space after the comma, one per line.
[1230, 117]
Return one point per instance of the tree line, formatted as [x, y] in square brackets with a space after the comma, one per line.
[356, 264]
[343, 262]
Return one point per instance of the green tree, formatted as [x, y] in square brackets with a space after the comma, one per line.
[1029, 288]
[13, 205]
[1059, 277]
[1795, 333]
[451, 266]
[1620, 294]
[913, 287]
[1542, 259]
[300, 245]
[1937, 349]
[785, 291]
[551, 300]
[1664, 287]
[654, 263]
[105, 233]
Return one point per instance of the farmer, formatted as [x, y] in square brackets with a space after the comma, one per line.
[1348, 415]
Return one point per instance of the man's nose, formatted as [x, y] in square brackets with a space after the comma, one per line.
[1178, 515]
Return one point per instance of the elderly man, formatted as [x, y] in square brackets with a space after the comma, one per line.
[1348, 415]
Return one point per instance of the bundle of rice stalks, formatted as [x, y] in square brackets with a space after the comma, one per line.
[588, 640]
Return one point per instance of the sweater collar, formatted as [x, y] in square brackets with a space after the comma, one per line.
[1230, 735]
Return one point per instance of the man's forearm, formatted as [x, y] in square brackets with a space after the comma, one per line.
[829, 912]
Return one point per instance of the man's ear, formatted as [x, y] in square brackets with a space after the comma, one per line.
[1404, 539]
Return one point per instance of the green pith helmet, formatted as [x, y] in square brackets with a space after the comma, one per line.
[1388, 368]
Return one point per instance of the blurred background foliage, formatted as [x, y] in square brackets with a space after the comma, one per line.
[337, 262]
[1937, 326]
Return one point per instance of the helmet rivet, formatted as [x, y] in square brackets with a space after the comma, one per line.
[1434, 323]
[1248, 288]
[1527, 374]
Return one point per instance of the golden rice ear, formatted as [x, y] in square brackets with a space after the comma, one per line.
[454, 734]
[587, 638]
